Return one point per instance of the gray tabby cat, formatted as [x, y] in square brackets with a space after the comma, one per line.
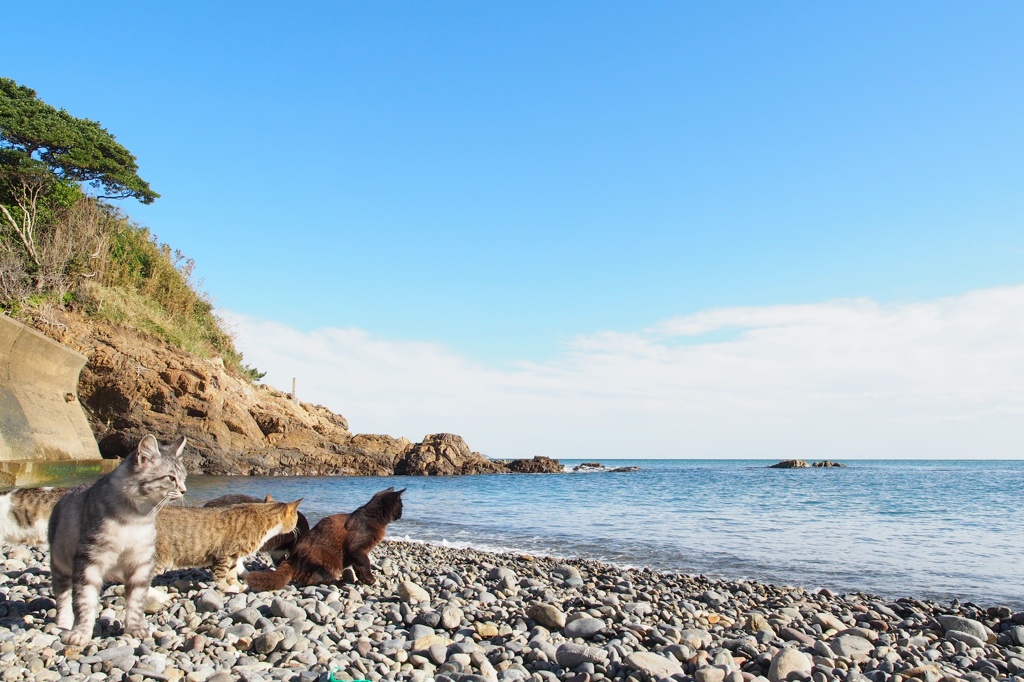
[108, 532]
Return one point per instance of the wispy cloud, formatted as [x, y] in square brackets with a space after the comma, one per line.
[845, 378]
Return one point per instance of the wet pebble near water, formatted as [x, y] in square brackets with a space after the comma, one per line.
[437, 613]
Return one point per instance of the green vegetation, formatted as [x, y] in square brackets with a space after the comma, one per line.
[61, 246]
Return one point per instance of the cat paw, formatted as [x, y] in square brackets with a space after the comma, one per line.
[75, 638]
[66, 623]
[230, 589]
[137, 631]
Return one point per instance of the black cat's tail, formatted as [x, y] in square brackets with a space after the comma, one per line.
[265, 581]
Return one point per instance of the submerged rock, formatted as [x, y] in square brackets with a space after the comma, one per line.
[790, 464]
[803, 464]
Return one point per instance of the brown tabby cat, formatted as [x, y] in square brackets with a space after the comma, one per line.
[25, 513]
[321, 555]
[219, 537]
[279, 546]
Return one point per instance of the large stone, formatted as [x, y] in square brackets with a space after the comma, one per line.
[267, 642]
[960, 624]
[419, 631]
[787, 662]
[424, 643]
[570, 655]
[757, 623]
[695, 637]
[794, 635]
[853, 647]
[451, 617]
[709, 673]
[967, 638]
[584, 628]
[412, 593]
[828, 621]
[548, 615]
[285, 609]
[653, 665]
[209, 601]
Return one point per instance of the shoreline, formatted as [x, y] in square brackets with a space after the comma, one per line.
[503, 617]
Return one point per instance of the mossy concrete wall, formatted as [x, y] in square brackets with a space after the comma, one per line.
[41, 420]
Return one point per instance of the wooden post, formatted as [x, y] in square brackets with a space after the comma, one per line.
[295, 396]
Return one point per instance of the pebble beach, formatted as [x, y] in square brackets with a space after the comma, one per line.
[438, 613]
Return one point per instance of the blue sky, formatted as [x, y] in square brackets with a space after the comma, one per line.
[503, 184]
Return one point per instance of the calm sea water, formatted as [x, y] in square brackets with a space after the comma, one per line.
[929, 529]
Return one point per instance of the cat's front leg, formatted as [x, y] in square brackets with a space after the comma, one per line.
[224, 575]
[60, 586]
[136, 592]
[361, 566]
[87, 580]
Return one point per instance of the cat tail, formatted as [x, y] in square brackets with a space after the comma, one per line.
[265, 581]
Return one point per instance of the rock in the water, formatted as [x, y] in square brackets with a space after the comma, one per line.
[788, 661]
[444, 454]
[537, 465]
[790, 464]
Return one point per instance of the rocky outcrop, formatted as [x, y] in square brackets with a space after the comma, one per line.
[802, 464]
[445, 454]
[597, 467]
[134, 384]
[537, 465]
[790, 464]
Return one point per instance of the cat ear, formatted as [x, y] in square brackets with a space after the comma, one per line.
[389, 490]
[178, 446]
[268, 498]
[293, 506]
[148, 449]
[401, 491]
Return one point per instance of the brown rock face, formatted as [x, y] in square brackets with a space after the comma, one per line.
[790, 464]
[133, 385]
[445, 454]
[537, 465]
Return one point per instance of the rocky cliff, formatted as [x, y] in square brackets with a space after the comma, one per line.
[134, 384]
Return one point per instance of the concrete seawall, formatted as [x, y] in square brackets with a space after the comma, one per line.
[44, 433]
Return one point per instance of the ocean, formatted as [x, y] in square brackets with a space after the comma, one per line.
[927, 529]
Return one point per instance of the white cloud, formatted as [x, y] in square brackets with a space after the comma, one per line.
[846, 378]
